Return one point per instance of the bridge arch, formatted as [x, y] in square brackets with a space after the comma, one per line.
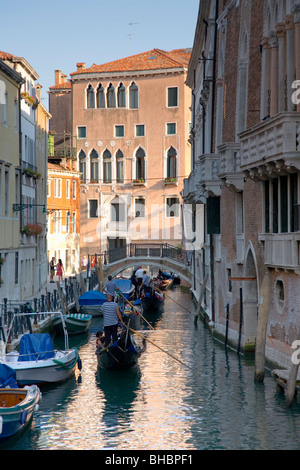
[113, 269]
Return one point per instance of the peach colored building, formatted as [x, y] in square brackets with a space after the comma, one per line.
[63, 208]
[131, 118]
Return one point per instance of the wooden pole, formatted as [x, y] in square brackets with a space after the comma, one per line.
[75, 294]
[62, 298]
[241, 320]
[291, 385]
[227, 322]
[82, 284]
[261, 334]
[100, 271]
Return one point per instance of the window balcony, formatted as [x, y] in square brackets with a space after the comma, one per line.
[207, 175]
[282, 250]
[271, 148]
[230, 166]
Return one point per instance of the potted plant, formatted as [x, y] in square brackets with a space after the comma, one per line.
[139, 181]
[1, 261]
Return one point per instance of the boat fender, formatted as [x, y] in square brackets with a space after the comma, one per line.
[79, 363]
[37, 407]
[1, 424]
[23, 417]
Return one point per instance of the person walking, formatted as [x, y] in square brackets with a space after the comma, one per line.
[52, 269]
[111, 317]
[110, 287]
[59, 270]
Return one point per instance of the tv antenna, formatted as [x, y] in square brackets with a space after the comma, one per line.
[130, 34]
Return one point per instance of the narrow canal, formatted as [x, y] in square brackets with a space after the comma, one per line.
[212, 404]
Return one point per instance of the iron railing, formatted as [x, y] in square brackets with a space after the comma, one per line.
[140, 250]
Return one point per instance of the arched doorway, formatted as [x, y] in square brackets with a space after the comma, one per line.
[250, 300]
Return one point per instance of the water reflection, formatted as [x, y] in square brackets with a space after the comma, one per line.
[211, 404]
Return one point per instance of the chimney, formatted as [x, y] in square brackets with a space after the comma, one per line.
[58, 77]
[80, 66]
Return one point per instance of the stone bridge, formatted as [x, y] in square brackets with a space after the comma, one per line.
[163, 256]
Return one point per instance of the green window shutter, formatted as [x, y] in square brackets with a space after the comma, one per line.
[213, 215]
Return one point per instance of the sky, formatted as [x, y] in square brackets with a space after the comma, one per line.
[58, 34]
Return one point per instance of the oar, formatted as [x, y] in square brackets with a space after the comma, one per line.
[164, 293]
[119, 292]
[166, 352]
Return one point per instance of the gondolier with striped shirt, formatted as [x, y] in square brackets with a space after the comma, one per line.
[112, 316]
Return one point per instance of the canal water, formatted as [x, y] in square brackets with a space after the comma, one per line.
[212, 404]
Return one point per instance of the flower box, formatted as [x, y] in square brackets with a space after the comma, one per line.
[32, 229]
[170, 180]
[139, 181]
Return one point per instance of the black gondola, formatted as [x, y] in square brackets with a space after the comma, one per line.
[121, 355]
[153, 302]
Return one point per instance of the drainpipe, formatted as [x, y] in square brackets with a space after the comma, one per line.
[212, 273]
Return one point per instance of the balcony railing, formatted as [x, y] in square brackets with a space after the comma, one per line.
[272, 146]
[282, 250]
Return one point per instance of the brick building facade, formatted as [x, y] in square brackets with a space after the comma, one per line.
[245, 146]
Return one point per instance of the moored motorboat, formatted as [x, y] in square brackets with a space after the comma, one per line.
[37, 361]
[121, 355]
[76, 323]
[91, 301]
[17, 405]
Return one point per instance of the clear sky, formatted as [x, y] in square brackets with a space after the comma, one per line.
[59, 33]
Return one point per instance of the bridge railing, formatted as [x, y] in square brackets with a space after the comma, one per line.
[143, 250]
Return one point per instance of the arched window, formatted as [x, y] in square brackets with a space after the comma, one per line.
[134, 96]
[106, 166]
[82, 165]
[121, 96]
[100, 97]
[94, 166]
[171, 163]
[120, 166]
[90, 95]
[140, 164]
[111, 97]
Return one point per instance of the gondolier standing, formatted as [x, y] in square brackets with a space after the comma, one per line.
[111, 316]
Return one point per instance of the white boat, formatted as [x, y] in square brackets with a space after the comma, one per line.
[36, 361]
[91, 303]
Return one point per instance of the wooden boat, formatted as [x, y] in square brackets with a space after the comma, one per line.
[36, 361]
[76, 323]
[91, 301]
[153, 302]
[120, 355]
[17, 405]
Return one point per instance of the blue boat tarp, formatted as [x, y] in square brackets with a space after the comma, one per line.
[92, 297]
[36, 346]
[7, 377]
[125, 285]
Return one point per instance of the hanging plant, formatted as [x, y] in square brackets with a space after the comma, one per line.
[1, 261]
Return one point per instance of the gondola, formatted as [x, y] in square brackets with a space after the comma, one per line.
[121, 355]
[152, 302]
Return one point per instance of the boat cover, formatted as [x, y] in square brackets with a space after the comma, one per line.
[125, 285]
[7, 377]
[36, 346]
[92, 297]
